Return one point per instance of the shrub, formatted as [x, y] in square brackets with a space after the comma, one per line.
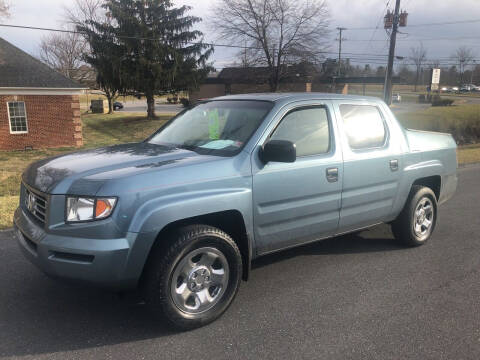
[437, 101]
[185, 102]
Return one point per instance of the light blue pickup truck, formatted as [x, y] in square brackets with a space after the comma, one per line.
[182, 214]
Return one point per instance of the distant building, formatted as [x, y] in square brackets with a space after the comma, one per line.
[39, 107]
[301, 77]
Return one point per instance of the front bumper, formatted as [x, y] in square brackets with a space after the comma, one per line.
[113, 263]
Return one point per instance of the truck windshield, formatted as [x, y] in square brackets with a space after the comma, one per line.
[215, 127]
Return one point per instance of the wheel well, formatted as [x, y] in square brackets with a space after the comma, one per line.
[230, 221]
[432, 182]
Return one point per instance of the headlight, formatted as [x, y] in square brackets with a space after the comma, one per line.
[85, 209]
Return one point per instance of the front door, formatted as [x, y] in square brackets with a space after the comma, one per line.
[298, 202]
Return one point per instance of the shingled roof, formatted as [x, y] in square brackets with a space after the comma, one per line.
[21, 70]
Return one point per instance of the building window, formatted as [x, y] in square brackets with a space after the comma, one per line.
[17, 117]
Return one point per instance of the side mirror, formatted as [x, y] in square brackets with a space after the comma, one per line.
[279, 151]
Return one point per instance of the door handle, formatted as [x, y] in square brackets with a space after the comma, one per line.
[332, 174]
[394, 165]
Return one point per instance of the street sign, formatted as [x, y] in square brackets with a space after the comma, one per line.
[435, 79]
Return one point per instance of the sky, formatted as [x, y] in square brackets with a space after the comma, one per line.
[440, 41]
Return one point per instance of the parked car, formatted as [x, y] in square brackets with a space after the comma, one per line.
[396, 98]
[116, 106]
[469, 87]
[182, 214]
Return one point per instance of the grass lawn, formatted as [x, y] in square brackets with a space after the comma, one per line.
[98, 130]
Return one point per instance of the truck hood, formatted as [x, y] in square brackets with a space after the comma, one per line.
[84, 172]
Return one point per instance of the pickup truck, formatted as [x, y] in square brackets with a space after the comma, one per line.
[182, 214]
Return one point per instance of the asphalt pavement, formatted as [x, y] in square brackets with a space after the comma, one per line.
[141, 106]
[359, 296]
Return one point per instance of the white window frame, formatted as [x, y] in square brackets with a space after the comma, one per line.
[10, 121]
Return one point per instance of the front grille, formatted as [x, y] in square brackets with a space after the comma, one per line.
[36, 204]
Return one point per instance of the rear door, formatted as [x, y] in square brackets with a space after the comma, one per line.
[372, 163]
[298, 202]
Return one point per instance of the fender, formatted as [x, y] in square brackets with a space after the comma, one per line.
[156, 214]
[411, 173]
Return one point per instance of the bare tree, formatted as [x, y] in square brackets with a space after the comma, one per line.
[4, 9]
[84, 11]
[418, 55]
[64, 52]
[277, 32]
[463, 55]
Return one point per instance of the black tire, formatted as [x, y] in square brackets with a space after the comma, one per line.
[162, 266]
[404, 226]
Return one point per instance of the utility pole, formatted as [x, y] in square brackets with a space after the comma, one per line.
[340, 29]
[387, 88]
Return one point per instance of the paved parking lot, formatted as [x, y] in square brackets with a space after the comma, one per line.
[359, 296]
[141, 106]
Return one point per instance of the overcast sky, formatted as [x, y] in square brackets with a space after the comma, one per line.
[345, 13]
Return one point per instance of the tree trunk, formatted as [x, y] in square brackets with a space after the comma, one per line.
[110, 104]
[416, 81]
[273, 83]
[150, 106]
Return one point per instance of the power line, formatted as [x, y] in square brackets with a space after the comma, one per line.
[157, 39]
[377, 26]
[428, 24]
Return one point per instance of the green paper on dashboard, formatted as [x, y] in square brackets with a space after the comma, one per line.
[213, 125]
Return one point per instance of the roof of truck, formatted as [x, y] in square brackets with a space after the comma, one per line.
[295, 96]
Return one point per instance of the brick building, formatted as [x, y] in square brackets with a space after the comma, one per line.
[39, 107]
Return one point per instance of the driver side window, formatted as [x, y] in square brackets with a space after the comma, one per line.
[307, 128]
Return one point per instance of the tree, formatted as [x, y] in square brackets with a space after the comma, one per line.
[277, 32]
[156, 50]
[418, 55]
[105, 54]
[64, 52]
[463, 55]
[4, 9]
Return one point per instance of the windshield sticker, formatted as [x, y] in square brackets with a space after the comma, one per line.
[213, 125]
[218, 144]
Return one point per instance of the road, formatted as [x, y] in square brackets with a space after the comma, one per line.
[353, 297]
[141, 106]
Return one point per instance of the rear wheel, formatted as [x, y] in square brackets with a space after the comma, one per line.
[193, 280]
[415, 224]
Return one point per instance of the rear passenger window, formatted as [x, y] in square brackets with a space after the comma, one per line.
[307, 128]
[364, 126]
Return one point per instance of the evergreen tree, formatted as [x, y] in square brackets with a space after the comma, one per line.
[161, 52]
[105, 55]
[148, 46]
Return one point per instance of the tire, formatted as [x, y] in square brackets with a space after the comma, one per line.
[415, 224]
[183, 280]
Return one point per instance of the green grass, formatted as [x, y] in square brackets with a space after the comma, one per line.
[98, 130]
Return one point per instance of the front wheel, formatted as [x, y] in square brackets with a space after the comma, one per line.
[192, 281]
[415, 224]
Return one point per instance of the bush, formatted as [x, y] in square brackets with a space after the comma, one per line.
[438, 101]
[185, 102]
